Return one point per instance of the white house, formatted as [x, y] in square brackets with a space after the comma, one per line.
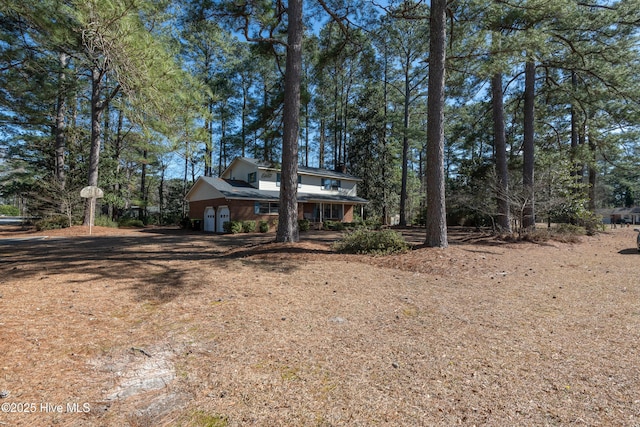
[250, 189]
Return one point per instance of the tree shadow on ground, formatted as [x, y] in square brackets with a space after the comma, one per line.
[160, 264]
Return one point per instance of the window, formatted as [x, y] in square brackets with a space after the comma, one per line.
[266, 208]
[333, 211]
[278, 180]
[330, 184]
[252, 178]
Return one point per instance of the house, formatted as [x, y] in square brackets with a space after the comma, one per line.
[630, 215]
[250, 190]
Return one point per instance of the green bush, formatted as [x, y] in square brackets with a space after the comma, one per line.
[570, 229]
[373, 223]
[248, 226]
[264, 226]
[333, 225]
[232, 227]
[304, 225]
[105, 221]
[535, 236]
[130, 222]
[363, 241]
[52, 223]
[9, 210]
[591, 222]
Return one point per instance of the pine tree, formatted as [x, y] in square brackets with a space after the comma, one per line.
[436, 207]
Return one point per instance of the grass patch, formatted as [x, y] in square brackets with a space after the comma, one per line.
[202, 419]
[130, 222]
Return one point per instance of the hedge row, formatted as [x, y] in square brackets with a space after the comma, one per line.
[237, 227]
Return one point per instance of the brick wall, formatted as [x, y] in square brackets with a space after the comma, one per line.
[196, 209]
[244, 210]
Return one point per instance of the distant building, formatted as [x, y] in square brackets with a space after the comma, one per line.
[620, 215]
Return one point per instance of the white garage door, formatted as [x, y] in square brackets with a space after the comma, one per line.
[209, 220]
[222, 217]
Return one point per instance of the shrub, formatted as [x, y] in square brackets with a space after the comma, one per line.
[333, 225]
[232, 227]
[564, 234]
[570, 229]
[52, 223]
[105, 221]
[304, 225]
[130, 222]
[248, 226]
[264, 226]
[535, 236]
[373, 223]
[9, 210]
[591, 222]
[362, 241]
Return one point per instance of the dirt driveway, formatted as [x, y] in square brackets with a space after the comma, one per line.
[162, 327]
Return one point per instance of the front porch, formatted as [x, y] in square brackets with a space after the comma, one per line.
[319, 212]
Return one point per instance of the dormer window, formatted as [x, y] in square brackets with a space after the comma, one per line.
[252, 178]
[330, 184]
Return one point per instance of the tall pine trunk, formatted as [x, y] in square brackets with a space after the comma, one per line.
[142, 208]
[60, 127]
[114, 213]
[593, 159]
[405, 149]
[528, 213]
[97, 108]
[436, 207]
[577, 165]
[288, 211]
[98, 105]
[500, 145]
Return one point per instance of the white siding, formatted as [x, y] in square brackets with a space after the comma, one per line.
[268, 180]
[311, 184]
[203, 191]
[240, 171]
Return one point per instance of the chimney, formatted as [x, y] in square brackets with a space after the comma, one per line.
[342, 168]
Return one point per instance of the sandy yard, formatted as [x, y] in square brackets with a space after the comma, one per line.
[163, 327]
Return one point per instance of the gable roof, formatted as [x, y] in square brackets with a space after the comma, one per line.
[305, 170]
[235, 189]
[326, 173]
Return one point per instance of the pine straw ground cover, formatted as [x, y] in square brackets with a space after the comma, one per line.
[159, 327]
